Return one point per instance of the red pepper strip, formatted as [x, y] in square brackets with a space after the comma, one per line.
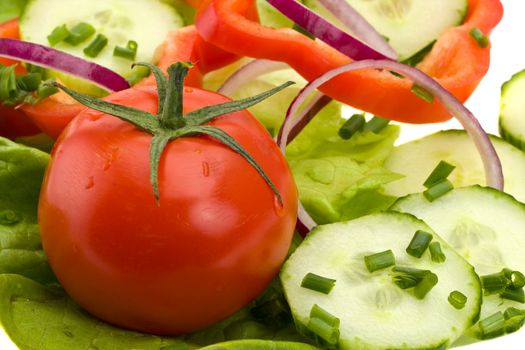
[456, 60]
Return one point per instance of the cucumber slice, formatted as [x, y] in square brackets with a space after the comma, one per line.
[512, 112]
[482, 224]
[397, 20]
[145, 21]
[418, 158]
[374, 313]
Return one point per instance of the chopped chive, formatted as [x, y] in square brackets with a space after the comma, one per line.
[419, 243]
[418, 273]
[480, 38]
[376, 124]
[318, 283]
[58, 35]
[422, 93]
[79, 33]
[29, 82]
[46, 90]
[517, 280]
[438, 190]
[494, 283]
[129, 52]
[96, 46]
[440, 173]
[492, 326]
[325, 316]
[513, 312]
[354, 124]
[137, 74]
[457, 299]
[324, 330]
[406, 281]
[324, 324]
[31, 68]
[436, 253]
[425, 286]
[517, 295]
[514, 323]
[380, 260]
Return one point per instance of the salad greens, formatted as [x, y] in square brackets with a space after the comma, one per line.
[21, 173]
[11, 8]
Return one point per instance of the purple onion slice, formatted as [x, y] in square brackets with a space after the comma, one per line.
[57, 60]
[491, 162]
[327, 32]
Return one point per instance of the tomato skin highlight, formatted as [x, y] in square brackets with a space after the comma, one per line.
[215, 241]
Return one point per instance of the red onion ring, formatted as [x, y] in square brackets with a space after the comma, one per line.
[489, 157]
[325, 31]
[359, 26]
[57, 60]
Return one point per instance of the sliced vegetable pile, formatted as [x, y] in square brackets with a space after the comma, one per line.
[164, 215]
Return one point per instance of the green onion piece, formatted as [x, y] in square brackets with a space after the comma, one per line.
[380, 260]
[376, 124]
[29, 82]
[324, 330]
[58, 35]
[438, 190]
[517, 280]
[425, 286]
[354, 124]
[79, 33]
[512, 312]
[45, 90]
[494, 283]
[325, 316]
[129, 52]
[31, 68]
[517, 295]
[318, 283]
[418, 273]
[492, 326]
[96, 46]
[419, 243]
[440, 173]
[406, 281]
[480, 38]
[457, 299]
[137, 74]
[436, 253]
[324, 324]
[422, 93]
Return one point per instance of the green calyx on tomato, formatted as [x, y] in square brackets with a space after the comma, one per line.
[171, 123]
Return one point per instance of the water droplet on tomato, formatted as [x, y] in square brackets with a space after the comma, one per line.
[112, 157]
[278, 206]
[188, 90]
[205, 169]
[94, 117]
[90, 183]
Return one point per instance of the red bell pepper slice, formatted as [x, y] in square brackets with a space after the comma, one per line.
[456, 60]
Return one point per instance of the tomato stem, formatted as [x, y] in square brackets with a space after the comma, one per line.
[170, 123]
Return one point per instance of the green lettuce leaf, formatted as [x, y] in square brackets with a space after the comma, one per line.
[21, 173]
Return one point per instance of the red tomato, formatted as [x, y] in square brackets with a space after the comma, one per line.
[215, 241]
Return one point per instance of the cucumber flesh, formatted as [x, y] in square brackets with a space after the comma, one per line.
[409, 25]
[418, 158]
[374, 313]
[512, 112]
[145, 21]
[482, 224]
